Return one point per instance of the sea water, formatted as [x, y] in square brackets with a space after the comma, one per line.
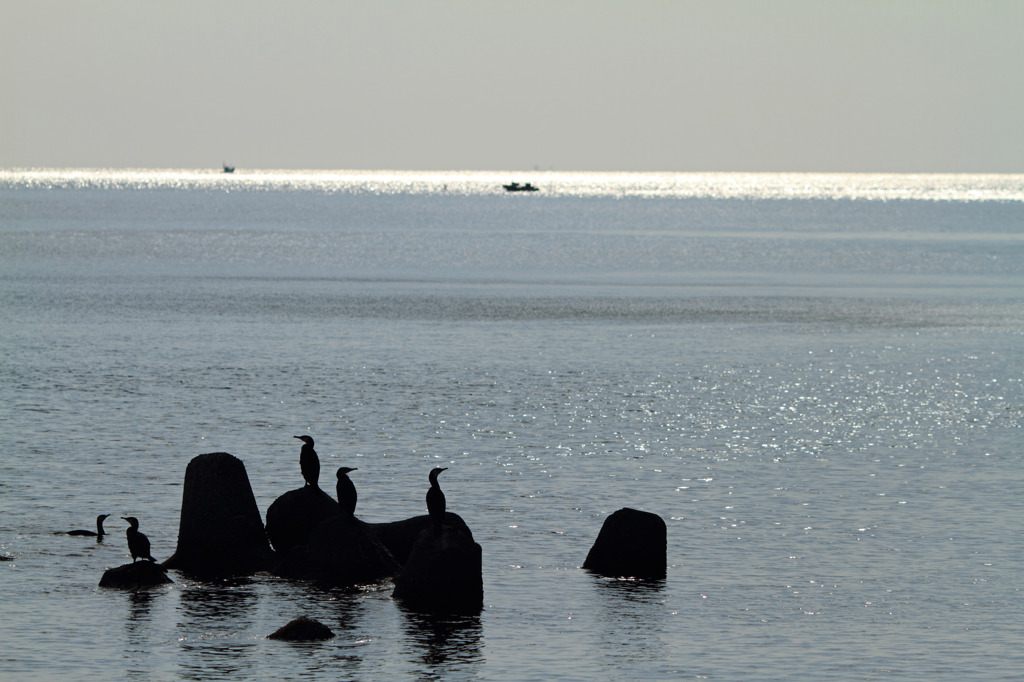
[816, 380]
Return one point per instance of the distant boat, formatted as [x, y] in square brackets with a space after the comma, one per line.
[229, 169]
[516, 187]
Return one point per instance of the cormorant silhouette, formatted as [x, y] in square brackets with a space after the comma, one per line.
[346, 493]
[99, 532]
[435, 498]
[309, 463]
[138, 544]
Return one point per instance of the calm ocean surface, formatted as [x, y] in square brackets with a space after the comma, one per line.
[816, 380]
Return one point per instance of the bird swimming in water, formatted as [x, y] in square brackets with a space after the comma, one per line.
[309, 463]
[435, 498]
[99, 532]
[346, 493]
[138, 543]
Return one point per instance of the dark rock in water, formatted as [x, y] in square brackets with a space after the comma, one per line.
[631, 544]
[400, 536]
[221, 532]
[302, 630]
[443, 574]
[135, 575]
[294, 515]
[341, 552]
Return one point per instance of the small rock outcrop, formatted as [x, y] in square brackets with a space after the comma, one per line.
[136, 575]
[341, 552]
[443, 574]
[294, 515]
[302, 630]
[631, 544]
[400, 536]
[221, 532]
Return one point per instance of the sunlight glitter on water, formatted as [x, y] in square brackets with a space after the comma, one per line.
[829, 426]
[867, 186]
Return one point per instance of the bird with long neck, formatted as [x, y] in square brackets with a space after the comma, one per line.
[138, 543]
[99, 532]
[346, 493]
[309, 463]
[436, 503]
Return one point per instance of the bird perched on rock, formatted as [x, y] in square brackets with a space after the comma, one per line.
[309, 463]
[435, 498]
[99, 532]
[138, 543]
[346, 493]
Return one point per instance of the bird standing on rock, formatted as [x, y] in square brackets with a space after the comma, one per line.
[346, 493]
[435, 498]
[309, 463]
[138, 543]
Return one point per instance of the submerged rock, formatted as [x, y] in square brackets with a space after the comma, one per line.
[293, 516]
[221, 532]
[631, 544]
[139, 574]
[341, 552]
[443, 574]
[302, 630]
[400, 536]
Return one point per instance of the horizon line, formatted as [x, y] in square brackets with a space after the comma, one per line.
[495, 170]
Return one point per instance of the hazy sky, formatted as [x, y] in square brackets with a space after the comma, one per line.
[688, 85]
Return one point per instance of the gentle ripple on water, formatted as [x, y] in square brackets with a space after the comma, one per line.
[823, 398]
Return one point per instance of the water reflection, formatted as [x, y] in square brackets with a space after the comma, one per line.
[344, 612]
[631, 618]
[631, 589]
[140, 603]
[341, 610]
[214, 620]
[141, 631]
[137, 627]
[444, 644]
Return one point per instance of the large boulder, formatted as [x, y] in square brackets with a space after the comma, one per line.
[443, 574]
[221, 532]
[294, 515]
[136, 575]
[400, 536]
[631, 544]
[341, 552]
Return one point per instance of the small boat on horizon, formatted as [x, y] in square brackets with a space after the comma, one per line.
[228, 169]
[516, 187]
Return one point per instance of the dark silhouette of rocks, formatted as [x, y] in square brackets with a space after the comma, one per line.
[302, 630]
[438, 568]
[631, 544]
[135, 575]
[341, 552]
[221, 532]
[400, 536]
[443, 574]
[294, 515]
